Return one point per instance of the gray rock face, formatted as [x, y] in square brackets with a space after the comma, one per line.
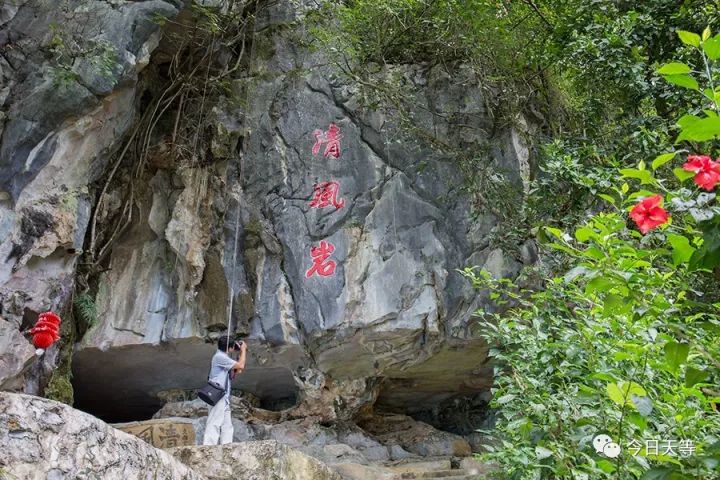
[416, 437]
[44, 94]
[68, 74]
[264, 460]
[43, 439]
[390, 324]
[17, 354]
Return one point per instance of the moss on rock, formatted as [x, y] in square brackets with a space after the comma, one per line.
[60, 387]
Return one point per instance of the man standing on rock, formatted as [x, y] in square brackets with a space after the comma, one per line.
[219, 422]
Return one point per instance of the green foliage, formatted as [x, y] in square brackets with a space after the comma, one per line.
[66, 47]
[622, 344]
[85, 310]
[405, 31]
[625, 342]
[698, 130]
[209, 18]
[586, 67]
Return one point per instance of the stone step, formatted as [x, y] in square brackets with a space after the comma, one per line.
[420, 466]
[441, 475]
[466, 476]
[445, 474]
[429, 468]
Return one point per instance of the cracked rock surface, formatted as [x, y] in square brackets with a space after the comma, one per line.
[391, 327]
[49, 440]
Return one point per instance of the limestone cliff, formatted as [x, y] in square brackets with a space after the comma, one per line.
[107, 192]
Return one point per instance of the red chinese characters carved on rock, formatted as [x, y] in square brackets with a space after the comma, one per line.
[321, 265]
[331, 139]
[326, 195]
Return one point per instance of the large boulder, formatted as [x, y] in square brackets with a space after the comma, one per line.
[262, 460]
[416, 437]
[44, 439]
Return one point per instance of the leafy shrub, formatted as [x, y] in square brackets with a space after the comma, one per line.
[625, 343]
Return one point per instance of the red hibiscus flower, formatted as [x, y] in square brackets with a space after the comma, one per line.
[648, 213]
[708, 172]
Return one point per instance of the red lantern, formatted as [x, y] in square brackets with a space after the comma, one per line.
[46, 330]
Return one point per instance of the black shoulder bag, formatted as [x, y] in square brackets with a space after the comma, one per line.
[212, 392]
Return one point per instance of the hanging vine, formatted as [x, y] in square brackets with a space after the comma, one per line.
[201, 51]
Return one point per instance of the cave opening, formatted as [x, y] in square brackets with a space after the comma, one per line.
[450, 391]
[467, 415]
[462, 415]
[131, 384]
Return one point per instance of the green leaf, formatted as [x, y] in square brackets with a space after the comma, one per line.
[583, 234]
[645, 176]
[683, 175]
[640, 193]
[676, 354]
[674, 68]
[593, 252]
[683, 80]
[607, 198]
[638, 420]
[615, 393]
[689, 38]
[615, 305]
[712, 47]
[622, 356]
[622, 393]
[505, 399]
[606, 466]
[556, 232]
[698, 129]
[602, 376]
[708, 255]
[682, 250]
[706, 33]
[562, 248]
[693, 376]
[599, 284]
[662, 473]
[661, 160]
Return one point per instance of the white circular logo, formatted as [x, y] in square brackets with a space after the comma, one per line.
[600, 441]
[603, 444]
[612, 450]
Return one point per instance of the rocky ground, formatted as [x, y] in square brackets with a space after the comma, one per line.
[45, 439]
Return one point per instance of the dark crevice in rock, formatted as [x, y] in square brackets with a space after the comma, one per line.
[462, 415]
